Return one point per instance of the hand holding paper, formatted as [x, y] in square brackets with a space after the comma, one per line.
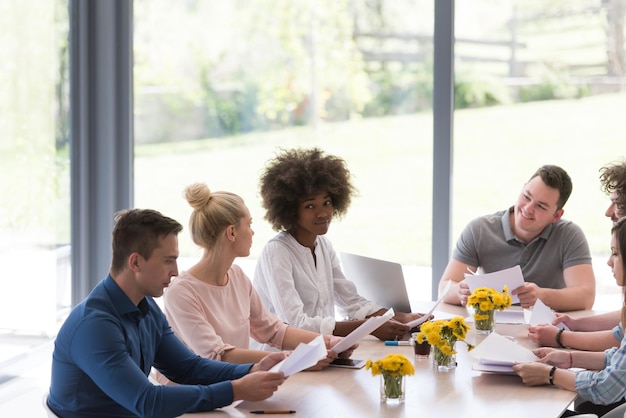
[511, 277]
[303, 357]
[364, 329]
[541, 314]
[498, 354]
[424, 318]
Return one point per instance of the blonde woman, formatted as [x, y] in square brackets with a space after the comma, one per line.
[212, 307]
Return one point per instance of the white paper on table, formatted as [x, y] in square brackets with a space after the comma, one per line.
[508, 316]
[496, 350]
[511, 277]
[232, 410]
[421, 319]
[492, 368]
[541, 314]
[444, 315]
[303, 357]
[361, 331]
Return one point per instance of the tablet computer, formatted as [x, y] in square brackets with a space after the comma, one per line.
[349, 363]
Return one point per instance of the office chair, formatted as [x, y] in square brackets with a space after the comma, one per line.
[49, 411]
[617, 412]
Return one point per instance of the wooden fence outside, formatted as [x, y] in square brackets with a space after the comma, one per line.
[600, 59]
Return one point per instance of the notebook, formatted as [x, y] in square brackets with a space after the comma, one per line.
[380, 281]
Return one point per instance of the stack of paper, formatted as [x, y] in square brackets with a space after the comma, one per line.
[508, 316]
[536, 315]
[497, 354]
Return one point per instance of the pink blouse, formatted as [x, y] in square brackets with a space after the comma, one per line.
[211, 319]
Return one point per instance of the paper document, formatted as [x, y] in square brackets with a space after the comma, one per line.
[303, 357]
[511, 277]
[542, 314]
[421, 319]
[496, 350]
[508, 316]
[364, 329]
[492, 368]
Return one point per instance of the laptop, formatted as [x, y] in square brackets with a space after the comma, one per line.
[380, 281]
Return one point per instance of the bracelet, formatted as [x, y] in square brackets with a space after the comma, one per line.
[551, 375]
[571, 360]
[558, 338]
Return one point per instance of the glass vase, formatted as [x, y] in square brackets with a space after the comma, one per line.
[392, 389]
[484, 321]
[443, 362]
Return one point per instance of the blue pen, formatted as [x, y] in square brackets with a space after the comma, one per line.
[397, 343]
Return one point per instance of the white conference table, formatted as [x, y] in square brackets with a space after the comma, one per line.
[462, 392]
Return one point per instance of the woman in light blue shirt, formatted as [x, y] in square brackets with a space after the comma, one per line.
[602, 387]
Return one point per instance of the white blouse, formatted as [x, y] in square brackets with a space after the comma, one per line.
[305, 295]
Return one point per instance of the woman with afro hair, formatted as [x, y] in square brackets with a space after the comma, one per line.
[298, 275]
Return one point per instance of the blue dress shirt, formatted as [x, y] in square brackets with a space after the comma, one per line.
[104, 352]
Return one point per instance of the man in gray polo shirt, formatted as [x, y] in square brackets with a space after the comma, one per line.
[596, 332]
[553, 253]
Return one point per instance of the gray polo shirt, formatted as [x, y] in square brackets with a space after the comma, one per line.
[488, 242]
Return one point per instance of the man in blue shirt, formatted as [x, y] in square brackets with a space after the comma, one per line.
[105, 349]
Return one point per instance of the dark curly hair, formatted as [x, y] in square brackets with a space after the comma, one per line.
[298, 173]
[613, 178]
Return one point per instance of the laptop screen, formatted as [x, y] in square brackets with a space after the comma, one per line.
[380, 281]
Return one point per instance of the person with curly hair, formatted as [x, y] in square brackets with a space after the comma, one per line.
[596, 332]
[298, 274]
[212, 306]
[613, 182]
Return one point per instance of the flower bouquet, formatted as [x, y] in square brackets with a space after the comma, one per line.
[442, 334]
[485, 301]
[392, 368]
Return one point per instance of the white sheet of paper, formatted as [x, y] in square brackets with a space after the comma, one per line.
[303, 357]
[421, 319]
[496, 350]
[362, 330]
[542, 314]
[511, 277]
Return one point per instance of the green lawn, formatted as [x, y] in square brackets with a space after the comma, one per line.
[496, 149]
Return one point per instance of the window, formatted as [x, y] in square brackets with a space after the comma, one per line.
[538, 83]
[34, 166]
[221, 86]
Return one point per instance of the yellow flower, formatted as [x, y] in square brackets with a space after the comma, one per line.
[391, 364]
[443, 334]
[485, 299]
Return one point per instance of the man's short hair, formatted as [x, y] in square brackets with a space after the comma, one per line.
[557, 178]
[139, 231]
